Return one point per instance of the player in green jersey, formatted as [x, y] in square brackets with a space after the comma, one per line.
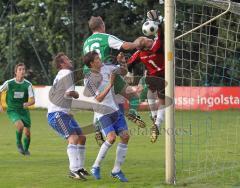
[19, 95]
[104, 44]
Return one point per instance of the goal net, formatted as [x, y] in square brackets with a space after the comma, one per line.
[207, 80]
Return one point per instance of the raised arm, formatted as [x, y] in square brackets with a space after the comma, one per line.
[129, 45]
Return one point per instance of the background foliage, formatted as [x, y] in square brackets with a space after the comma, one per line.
[33, 31]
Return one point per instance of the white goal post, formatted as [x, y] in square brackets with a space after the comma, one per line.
[170, 170]
[169, 14]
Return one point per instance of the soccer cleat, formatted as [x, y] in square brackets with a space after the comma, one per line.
[99, 138]
[154, 133]
[27, 153]
[119, 175]
[20, 149]
[76, 175]
[84, 172]
[95, 171]
[135, 119]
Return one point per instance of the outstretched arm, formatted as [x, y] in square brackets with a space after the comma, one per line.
[130, 45]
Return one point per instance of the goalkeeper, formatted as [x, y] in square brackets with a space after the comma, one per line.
[151, 54]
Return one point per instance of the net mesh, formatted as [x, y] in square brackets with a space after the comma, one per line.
[207, 142]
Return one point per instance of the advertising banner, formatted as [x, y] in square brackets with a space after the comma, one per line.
[207, 98]
[186, 98]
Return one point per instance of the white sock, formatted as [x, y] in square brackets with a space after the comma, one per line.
[72, 156]
[81, 155]
[120, 157]
[160, 116]
[101, 154]
[153, 105]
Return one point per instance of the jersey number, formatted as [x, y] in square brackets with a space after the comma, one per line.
[154, 65]
[93, 47]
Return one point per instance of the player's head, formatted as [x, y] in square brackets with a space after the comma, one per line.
[96, 24]
[61, 61]
[92, 60]
[144, 43]
[19, 70]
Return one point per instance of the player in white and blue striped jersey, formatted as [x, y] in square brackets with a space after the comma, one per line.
[108, 117]
[60, 119]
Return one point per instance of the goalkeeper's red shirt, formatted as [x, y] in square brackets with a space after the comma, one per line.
[153, 58]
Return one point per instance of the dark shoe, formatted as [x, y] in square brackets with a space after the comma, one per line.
[76, 175]
[20, 149]
[154, 133]
[84, 172]
[27, 153]
[136, 119]
[99, 138]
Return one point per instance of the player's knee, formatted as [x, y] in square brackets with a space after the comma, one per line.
[111, 138]
[73, 139]
[19, 125]
[27, 132]
[82, 139]
[125, 138]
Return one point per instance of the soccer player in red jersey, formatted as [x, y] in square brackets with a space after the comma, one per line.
[151, 54]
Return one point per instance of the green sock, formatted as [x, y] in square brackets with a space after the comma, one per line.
[26, 143]
[19, 138]
[143, 94]
[133, 104]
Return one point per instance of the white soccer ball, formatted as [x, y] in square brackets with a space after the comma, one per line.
[150, 28]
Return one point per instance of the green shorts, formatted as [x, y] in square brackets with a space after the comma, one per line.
[119, 84]
[23, 115]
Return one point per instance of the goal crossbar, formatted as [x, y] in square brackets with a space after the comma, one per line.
[207, 22]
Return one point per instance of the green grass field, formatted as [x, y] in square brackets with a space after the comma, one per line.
[207, 154]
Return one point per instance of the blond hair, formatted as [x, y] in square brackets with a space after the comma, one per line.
[95, 23]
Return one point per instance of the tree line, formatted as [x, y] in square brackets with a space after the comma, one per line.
[33, 32]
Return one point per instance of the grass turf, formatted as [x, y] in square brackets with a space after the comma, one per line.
[207, 154]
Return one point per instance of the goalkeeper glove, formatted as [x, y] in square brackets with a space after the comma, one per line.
[154, 15]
